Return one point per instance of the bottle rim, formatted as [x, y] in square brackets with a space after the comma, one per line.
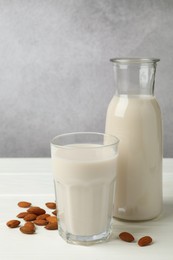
[134, 60]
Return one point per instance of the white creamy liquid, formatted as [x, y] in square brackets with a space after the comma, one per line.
[136, 121]
[84, 181]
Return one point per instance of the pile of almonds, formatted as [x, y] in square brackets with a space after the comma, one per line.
[143, 241]
[35, 216]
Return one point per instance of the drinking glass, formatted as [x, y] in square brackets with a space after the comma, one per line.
[84, 171]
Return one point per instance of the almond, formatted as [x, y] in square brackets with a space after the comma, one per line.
[52, 226]
[125, 236]
[24, 204]
[13, 223]
[144, 241]
[40, 222]
[54, 212]
[36, 210]
[22, 214]
[43, 216]
[51, 205]
[52, 219]
[30, 225]
[30, 217]
[26, 229]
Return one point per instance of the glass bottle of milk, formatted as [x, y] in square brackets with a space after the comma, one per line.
[134, 117]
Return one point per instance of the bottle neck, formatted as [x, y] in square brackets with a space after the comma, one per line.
[134, 78]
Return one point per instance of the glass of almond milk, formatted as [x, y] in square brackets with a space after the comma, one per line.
[84, 171]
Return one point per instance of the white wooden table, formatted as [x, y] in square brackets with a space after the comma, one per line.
[31, 180]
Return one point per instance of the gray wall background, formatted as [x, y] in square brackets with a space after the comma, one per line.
[55, 74]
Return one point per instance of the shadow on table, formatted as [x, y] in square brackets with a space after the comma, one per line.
[167, 212]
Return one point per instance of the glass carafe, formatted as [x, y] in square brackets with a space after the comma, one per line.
[134, 117]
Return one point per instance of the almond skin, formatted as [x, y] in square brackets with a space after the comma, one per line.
[54, 212]
[13, 223]
[52, 219]
[30, 217]
[145, 241]
[52, 226]
[127, 237]
[41, 222]
[22, 214]
[24, 204]
[27, 230]
[36, 210]
[30, 225]
[43, 216]
[51, 205]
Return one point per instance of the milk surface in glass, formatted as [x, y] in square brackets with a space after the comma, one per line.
[84, 183]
